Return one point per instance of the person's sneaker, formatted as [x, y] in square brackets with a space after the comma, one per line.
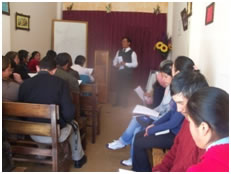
[127, 162]
[81, 162]
[116, 144]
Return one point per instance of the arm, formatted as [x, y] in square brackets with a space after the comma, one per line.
[115, 59]
[66, 106]
[134, 62]
[174, 121]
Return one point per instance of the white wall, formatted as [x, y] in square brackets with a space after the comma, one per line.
[207, 45]
[39, 36]
[6, 45]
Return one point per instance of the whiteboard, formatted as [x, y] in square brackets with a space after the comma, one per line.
[70, 37]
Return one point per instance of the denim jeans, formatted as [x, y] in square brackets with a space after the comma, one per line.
[129, 134]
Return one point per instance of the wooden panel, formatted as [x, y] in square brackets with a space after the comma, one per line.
[26, 109]
[33, 160]
[27, 128]
[30, 151]
[102, 74]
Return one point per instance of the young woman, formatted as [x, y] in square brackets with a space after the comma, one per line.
[18, 69]
[9, 87]
[23, 57]
[34, 61]
[208, 115]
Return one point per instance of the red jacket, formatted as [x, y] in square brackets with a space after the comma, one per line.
[32, 65]
[183, 154]
[216, 159]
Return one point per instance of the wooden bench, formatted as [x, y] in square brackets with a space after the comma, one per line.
[90, 108]
[17, 122]
[158, 155]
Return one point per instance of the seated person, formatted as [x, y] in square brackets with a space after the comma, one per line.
[9, 87]
[34, 61]
[134, 126]
[72, 71]
[208, 116]
[45, 88]
[23, 56]
[184, 151]
[18, 68]
[62, 61]
[79, 66]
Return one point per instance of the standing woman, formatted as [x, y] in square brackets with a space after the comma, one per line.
[208, 115]
[34, 61]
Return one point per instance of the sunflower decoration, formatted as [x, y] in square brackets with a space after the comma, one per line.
[164, 46]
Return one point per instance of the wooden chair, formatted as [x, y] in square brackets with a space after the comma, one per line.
[16, 122]
[82, 121]
[158, 155]
[89, 107]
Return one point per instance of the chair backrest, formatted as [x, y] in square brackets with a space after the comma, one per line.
[76, 102]
[17, 120]
[88, 97]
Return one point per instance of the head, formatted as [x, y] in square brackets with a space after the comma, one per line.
[182, 63]
[35, 55]
[23, 56]
[166, 73]
[51, 53]
[208, 110]
[80, 60]
[63, 60]
[13, 56]
[47, 64]
[6, 68]
[183, 85]
[126, 42]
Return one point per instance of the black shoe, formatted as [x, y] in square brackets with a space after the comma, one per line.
[81, 162]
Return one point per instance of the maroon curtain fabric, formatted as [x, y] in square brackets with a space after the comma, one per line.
[105, 31]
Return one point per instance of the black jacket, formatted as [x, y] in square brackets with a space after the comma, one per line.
[47, 89]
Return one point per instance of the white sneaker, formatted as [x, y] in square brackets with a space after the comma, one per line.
[116, 144]
[127, 162]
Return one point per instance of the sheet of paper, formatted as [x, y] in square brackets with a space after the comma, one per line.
[32, 74]
[80, 81]
[139, 91]
[119, 60]
[139, 109]
[90, 70]
[162, 132]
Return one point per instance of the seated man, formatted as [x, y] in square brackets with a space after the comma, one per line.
[184, 152]
[83, 71]
[45, 88]
[63, 60]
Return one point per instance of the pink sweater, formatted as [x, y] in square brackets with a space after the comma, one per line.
[216, 159]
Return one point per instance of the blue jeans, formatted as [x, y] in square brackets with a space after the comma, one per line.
[129, 134]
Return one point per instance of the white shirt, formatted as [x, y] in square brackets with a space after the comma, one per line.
[83, 71]
[134, 62]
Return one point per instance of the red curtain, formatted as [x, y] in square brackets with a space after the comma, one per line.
[105, 31]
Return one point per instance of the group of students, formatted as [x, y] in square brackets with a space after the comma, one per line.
[196, 117]
[54, 83]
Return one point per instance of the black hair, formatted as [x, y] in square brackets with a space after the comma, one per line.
[210, 105]
[80, 60]
[47, 63]
[22, 55]
[187, 83]
[51, 53]
[183, 63]
[33, 54]
[166, 68]
[128, 39]
[63, 59]
[11, 56]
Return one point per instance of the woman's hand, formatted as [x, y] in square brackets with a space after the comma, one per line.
[17, 78]
[146, 130]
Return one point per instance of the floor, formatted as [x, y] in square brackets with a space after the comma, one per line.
[114, 120]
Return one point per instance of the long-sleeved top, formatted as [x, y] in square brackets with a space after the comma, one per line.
[10, 90]
[134, 62]
[32, 65]
[70, 79]
[22, 70]
[84, 71]
[183, 154]
[171, 120]
[47, 89]
[216, 159]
